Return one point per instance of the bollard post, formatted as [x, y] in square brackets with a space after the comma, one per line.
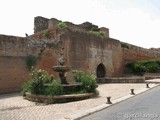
[108, 100]
[132, 92]
[147, 85]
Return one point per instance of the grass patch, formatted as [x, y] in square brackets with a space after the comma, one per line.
[98, 33]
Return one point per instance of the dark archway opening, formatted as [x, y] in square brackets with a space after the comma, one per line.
[101, 71]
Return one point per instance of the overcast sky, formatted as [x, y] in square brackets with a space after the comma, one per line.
[134, 21]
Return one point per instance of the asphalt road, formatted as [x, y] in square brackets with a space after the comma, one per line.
[145, 106]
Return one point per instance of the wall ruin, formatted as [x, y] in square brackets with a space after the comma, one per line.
[41, 23]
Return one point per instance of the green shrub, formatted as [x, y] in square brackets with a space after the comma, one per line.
[34, 87]
[158, 62]
[98, 33]
[54, 89]
[31, 61]
[152, 67]
[46, 34]
[42, 83]
[139, 68]
[88, 83]
[41, 75]
[77, 75]
[37, 81]
[26, 87]
[62, 25]
[37, 87]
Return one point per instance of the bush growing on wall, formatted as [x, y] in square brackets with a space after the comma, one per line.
[46, 34]
[98, 33]
[62, 25]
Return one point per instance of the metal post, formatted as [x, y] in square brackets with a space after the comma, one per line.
[108, 100]
[147, 85]
[132, 92]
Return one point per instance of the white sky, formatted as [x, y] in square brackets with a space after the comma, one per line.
[134, 21]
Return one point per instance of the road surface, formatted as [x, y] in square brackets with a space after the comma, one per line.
[145, 106]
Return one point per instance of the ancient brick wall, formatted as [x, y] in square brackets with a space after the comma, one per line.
[13, 70]
[87, 51]
[13, 46]
[135, 53]
[13, 52]
[13, 73]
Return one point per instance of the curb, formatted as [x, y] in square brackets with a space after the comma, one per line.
[98, 108]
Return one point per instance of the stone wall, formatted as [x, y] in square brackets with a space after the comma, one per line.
[87, 51]
[13, 46]
[41, 23]
[95, 49]
[106, 31]
[155, 49]
[135, 53]
[13, 52]
[13, 73]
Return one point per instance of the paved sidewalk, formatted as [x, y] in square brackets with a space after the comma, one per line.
[14, 107]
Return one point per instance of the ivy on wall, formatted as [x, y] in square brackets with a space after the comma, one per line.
[31, 61]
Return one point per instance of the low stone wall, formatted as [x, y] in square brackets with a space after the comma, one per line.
[122, 80]
[57, 99]
[152, 77]
[149, 76]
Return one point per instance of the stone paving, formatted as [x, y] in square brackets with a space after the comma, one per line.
[14, 107]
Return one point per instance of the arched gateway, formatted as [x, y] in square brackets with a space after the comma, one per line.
[101, 71]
